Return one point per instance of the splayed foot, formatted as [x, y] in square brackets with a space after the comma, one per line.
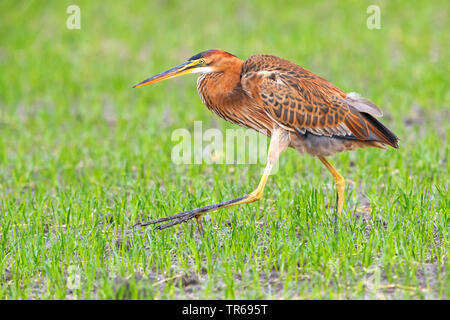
[181, 217]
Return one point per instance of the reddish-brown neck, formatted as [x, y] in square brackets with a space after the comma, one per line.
[223, 84]
[222, 93]
[229, 75]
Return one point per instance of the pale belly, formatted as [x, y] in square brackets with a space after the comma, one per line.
[322, 145]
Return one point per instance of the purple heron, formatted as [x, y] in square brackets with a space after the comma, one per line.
[293, 106]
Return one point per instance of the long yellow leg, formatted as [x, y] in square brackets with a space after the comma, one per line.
[258, 192]
[253, 196]
[340, 186]
[278, 143]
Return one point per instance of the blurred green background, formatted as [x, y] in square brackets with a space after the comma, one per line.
[78, 144]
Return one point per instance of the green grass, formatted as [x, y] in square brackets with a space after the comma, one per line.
[83, 156]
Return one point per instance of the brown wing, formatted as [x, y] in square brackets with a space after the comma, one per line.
[301, 101]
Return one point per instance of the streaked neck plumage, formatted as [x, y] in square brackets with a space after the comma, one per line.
[222, 93]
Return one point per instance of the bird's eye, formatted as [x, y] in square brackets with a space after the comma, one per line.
[202, 61]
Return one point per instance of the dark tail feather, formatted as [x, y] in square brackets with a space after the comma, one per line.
[379, 132]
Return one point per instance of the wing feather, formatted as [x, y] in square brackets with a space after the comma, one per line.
[301, 101]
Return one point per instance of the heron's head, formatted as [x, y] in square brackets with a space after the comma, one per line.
[204, 62]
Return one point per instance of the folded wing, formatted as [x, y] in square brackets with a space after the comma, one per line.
[301, 101]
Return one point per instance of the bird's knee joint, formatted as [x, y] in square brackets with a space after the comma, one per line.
[255, 196]
[340, 182]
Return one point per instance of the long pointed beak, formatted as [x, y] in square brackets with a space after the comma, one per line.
[184, 68]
